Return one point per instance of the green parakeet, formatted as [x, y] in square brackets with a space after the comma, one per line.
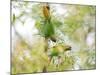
[58, 49]
[45, 26]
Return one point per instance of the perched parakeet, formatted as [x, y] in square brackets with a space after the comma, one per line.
[58, 49]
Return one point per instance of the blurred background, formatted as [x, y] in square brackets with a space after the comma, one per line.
[75, 26]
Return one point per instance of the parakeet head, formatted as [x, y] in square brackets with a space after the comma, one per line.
[58, 49]
[63, 47]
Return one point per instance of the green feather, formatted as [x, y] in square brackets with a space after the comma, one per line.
[48, 29]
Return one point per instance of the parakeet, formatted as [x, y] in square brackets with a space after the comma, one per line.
[47, 24]
[48, 28]
[58, 49]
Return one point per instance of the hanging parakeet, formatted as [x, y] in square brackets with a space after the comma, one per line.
[49, 29]
[45, 26]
